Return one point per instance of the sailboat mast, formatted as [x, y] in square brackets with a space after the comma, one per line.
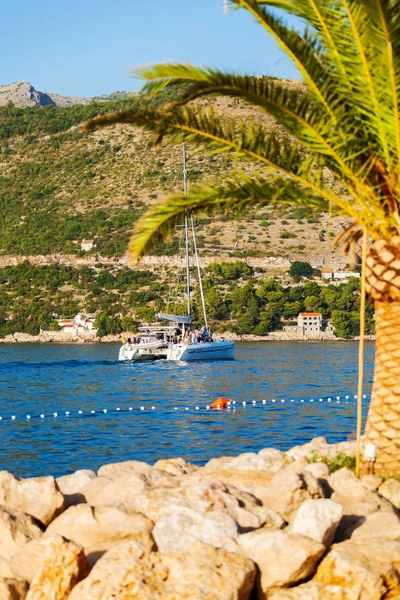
[199, 273]
[186, 231]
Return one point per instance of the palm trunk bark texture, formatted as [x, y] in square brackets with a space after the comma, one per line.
[383, 424]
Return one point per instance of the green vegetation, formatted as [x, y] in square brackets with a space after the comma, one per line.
[238, 298]
[340, 461]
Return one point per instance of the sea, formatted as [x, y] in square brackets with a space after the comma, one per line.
[65, 407]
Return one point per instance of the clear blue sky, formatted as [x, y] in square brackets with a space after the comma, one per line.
[86, 47]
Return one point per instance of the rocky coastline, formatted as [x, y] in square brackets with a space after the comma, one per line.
[295, 525]
[59, 337]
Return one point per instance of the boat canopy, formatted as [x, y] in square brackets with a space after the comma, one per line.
[174, 318]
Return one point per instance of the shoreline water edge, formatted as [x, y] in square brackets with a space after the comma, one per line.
[67, 338]
[273, 525]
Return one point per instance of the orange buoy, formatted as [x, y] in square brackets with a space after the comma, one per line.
[220, 403]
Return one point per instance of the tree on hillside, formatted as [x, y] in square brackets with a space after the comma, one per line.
[346, 158]
[300, 269]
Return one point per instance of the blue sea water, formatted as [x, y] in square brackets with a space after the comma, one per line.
[47, 379]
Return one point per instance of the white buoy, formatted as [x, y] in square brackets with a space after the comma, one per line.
[42, 416]
[337, 397]
[291, 400]
[320, 399]
[13, 417]
[55, 414]
[302, 400]
[364, 395]
[207, 407]
[104, 410]
[186, 408]
[273, 400]
[92, 412]
[244, 403]
[142, 408]
[346, 397]
[329, 399]
[176, 408]
[311, 399]
[28, 417]
[355, 396]
[79, 412]
[1, 418]
[282, 400]
[264, 401]
[118, 408]
[67, 413]
[153, 408]
[130, 408]
[197, 408]
[233, 401]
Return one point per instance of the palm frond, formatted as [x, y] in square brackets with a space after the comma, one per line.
[231, 198]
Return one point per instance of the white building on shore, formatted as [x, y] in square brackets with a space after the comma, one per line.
[311, 324]
[78, 324]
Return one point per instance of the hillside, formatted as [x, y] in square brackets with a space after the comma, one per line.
[59, 186]
[22, 94]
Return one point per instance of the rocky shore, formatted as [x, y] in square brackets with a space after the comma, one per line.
[60, 337]
[267, 526]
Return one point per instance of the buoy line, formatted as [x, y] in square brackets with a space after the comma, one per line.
[229, 407]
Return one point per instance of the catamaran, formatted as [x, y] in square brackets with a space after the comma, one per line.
[177, 341]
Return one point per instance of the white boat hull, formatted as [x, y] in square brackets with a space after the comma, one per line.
[141, 352]
[218, 350]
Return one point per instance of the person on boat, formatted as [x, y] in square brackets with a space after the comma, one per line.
[204, 333]
[128, 345]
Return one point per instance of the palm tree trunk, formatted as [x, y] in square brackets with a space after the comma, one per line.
[383, 424]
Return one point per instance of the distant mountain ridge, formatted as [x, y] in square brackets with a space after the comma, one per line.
[23, 94]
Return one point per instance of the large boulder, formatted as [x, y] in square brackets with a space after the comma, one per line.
[98, 529]
[12, 589]
[287, 490]
[312, 591]
[36, 496]
[176, 466]
[26, 563]
[160, 502]
[205, 573]
[318, 520]
[130, 467]
[390, 489]
[319, 449]
[355, 498]
[91, 491]
[63, 565]
[70, 486]
[378, 525]
[269, 460]
[283, 558]
[115, 491]
[372, 482]
[362, 570]
[185, 526]
[16, 530]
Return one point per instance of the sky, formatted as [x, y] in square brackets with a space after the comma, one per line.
[87, 47]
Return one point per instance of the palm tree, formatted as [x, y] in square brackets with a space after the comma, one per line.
[338, 149]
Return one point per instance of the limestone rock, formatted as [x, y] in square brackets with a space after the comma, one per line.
[5, 569]
[340, 477]
[378, 525]
[63, 565]
[16, 530]
[12, 589]
[26, 563]
[318, 520]
[202, 497]
[372, 482]
[119, 491]
[282, 558]
[319, 448]
[36, 496]
[269, 459]
[71, 485]
[319, 470]
[252, 482]
[366, 571]
[91, 490]
[311, 591]
[205, 573]
[97, 529]
[185, 526]
[358, 500]
[390, 490]
[116, 470]
[286, 492]
[176, 466]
